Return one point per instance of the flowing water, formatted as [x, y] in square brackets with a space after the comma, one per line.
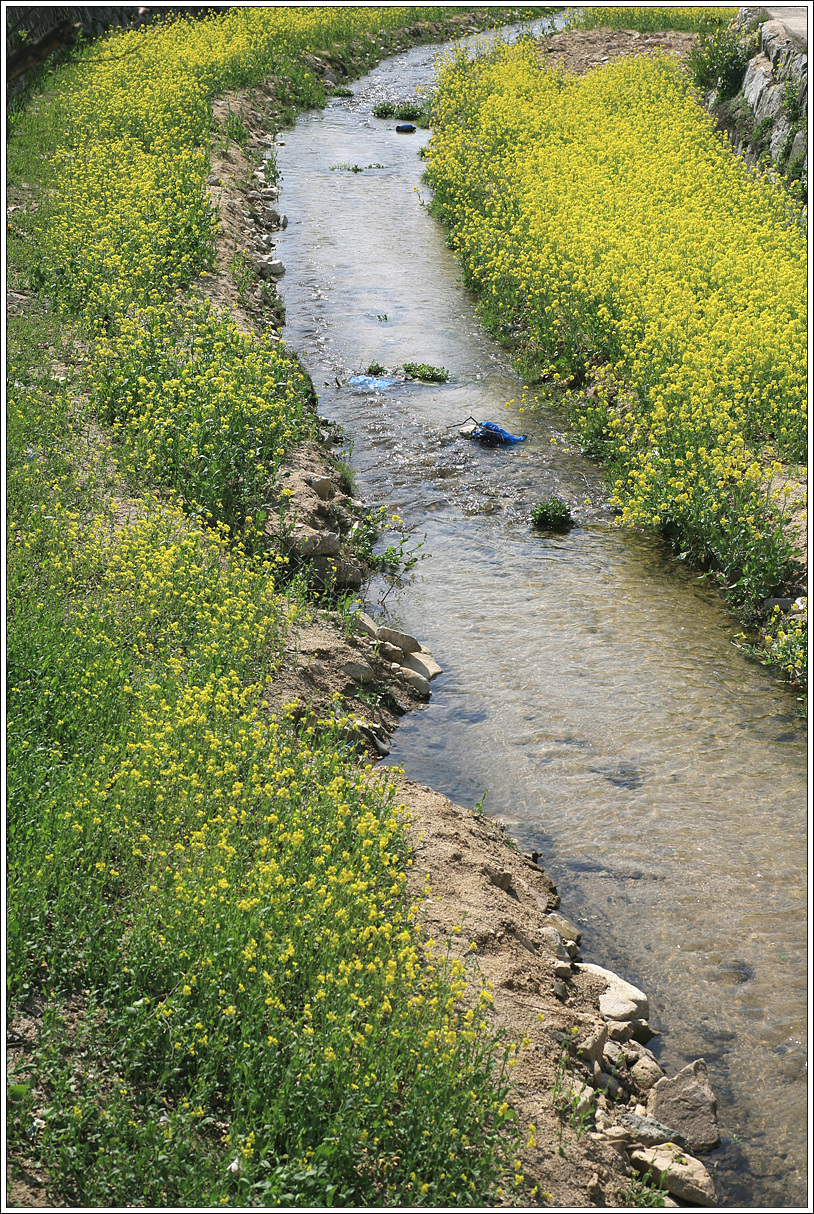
[589, 683]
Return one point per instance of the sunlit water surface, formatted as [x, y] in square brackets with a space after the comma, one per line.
[590, 684]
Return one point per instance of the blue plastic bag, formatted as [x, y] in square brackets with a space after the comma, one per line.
[492, 434]
[376, 382]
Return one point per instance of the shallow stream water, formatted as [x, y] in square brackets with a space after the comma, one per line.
[590, 683]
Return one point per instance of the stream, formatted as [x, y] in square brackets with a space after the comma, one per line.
[590, 683]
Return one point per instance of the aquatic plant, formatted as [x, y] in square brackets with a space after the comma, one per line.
[552, 512]
[435, 375]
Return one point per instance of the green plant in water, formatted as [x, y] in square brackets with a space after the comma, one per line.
[435, 375]
[376, 369]
[551, 513]
[403, 111]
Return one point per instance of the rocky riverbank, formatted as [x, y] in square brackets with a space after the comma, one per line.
[597, 1110]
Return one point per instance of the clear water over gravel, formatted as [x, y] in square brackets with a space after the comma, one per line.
[590, 681]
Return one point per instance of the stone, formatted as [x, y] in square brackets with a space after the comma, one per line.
[686, 1178]
[618, 995]
[688, 1103]
[498, 876]
[646, 1074]
[567, 929]
[619, 1030]
[612, 1052]
[592, 1046]
[417, 682]
[615, 1136]
[579, 1097]
[641, 1031]
[562, 969]
[648, 1131]
[309, 542]
[359, 671]
[402, 639]
[323, 486]
[367, 625]
[269, 268]
[551, 940]
[423, 664]
[799, 147]
[391, 653]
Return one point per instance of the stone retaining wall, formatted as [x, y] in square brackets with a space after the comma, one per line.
[775, 88]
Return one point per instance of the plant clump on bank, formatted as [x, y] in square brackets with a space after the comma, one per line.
[207, 900]
[613, 239]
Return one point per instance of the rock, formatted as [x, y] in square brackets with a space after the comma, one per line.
[592, 1046]
[309, 542]
[323, 486]
[551, 941]
[619, 1030]
[391, 653]
[611, 1086]
[646, 1073]
[562, 969]
[612, 1052]
[688, 1103]
[615, 1136]
[498, 876]
[367, 625]
[423, 664]
[683, 1176]
[417, 682]
[641, 1031]
[525, 940]
[560, 989]
[359, 671]
[567, 929]
[622, 1000]
[272, 268]
[648, 1131]
[402, 639]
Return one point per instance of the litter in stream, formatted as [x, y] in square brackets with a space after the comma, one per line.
[376, 382]
[489, 433]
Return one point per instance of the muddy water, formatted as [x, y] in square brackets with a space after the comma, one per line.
[590, 682]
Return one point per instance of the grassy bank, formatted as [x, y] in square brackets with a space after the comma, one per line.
[206, 905]
[621, 251]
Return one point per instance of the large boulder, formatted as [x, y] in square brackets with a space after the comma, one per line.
[681, 1175]
[687, 1103]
